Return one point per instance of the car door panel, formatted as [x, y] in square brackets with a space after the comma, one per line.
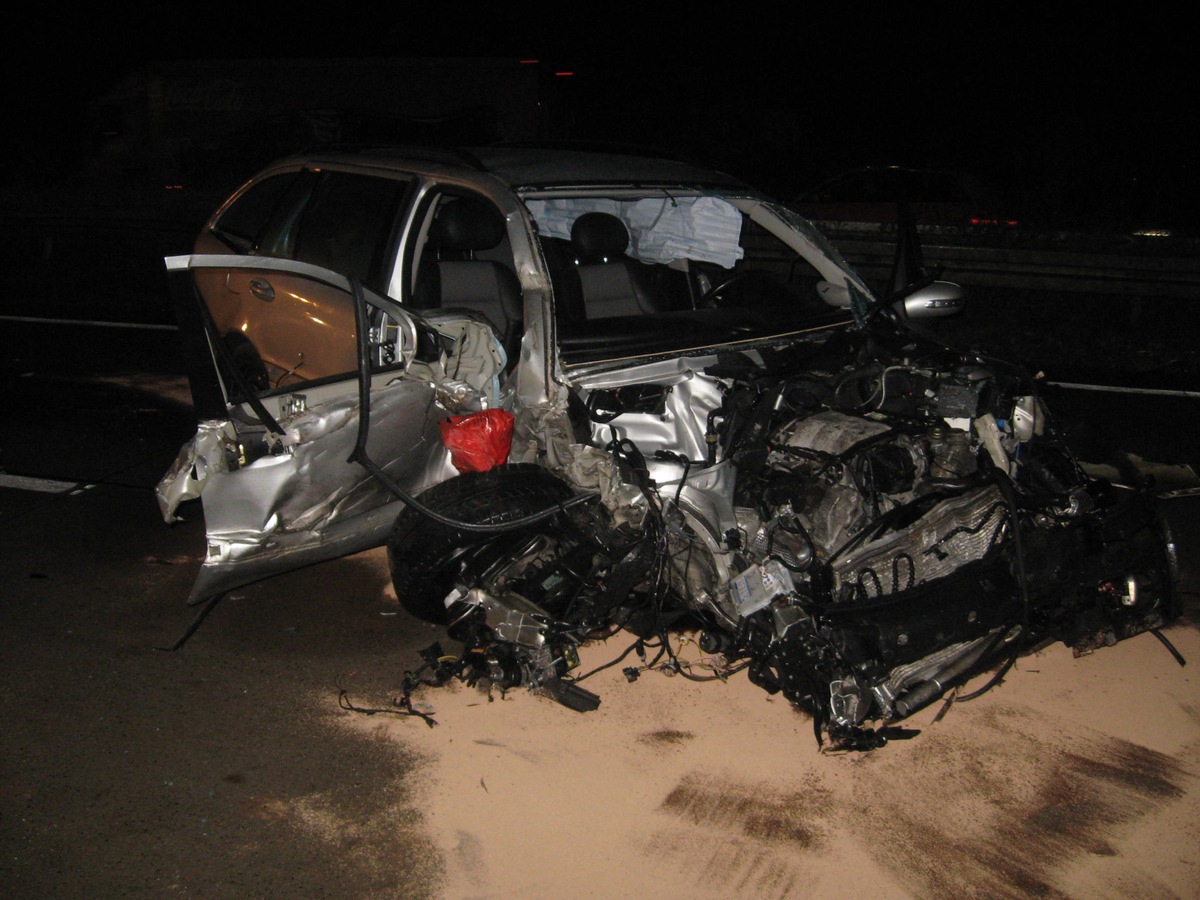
[275, 476]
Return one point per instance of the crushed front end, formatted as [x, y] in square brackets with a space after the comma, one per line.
[859, 519]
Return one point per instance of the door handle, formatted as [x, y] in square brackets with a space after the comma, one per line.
[261, 288]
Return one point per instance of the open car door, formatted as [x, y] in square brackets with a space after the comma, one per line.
[278, 375]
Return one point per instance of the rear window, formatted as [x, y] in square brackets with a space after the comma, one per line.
[348, 225]
[244, 223]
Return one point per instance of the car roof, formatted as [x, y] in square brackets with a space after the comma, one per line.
[559, 167]
[546, 166]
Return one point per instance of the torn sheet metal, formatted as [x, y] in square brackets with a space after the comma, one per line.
[198, 459]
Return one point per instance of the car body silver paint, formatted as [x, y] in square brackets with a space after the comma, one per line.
[680, 428]
[297, 498]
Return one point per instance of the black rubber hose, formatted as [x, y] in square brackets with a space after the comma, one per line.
[993, 681]
[928, 691]
[1171, 647]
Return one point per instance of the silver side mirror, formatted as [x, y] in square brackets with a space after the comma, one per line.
[942, 298]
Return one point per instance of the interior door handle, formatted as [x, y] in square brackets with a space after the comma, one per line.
[261, 288]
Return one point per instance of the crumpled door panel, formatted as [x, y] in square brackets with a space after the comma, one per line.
[275, 477]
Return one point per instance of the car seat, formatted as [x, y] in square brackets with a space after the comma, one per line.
[613, 284]
[462, 228]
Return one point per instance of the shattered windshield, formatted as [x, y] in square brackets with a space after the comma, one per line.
[659, 272]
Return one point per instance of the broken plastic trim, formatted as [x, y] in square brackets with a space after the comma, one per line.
[360, 455]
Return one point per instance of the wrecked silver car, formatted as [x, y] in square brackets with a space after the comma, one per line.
[682, 410]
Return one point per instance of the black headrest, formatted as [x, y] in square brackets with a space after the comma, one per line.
[467, 224]
[598, 236]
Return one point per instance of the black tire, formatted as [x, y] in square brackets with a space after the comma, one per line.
[425, 555]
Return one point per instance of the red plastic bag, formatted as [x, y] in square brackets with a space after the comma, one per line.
[479, 441]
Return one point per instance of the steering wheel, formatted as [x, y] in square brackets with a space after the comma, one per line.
[710, 297]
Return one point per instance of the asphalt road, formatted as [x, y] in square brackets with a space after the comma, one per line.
[128, 771]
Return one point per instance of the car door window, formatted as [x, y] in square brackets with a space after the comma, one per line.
[274, 325]
[348, 225]
[305, 333]
[249, 217]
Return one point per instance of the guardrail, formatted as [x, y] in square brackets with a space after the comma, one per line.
[1120, 271]
[62, 266]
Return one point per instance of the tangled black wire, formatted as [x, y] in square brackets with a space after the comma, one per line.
[443, 666]
[401, 706]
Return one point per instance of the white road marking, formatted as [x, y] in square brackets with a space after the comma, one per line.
[45, 485]
[37, 320]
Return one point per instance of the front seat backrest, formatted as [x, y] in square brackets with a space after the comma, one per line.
[461, 228]
[613, 284]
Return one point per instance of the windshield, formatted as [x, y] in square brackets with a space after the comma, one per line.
[656, 272]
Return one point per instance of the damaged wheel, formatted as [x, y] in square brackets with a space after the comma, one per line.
[428, 559]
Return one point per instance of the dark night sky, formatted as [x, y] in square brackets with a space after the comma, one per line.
[1088, 112]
